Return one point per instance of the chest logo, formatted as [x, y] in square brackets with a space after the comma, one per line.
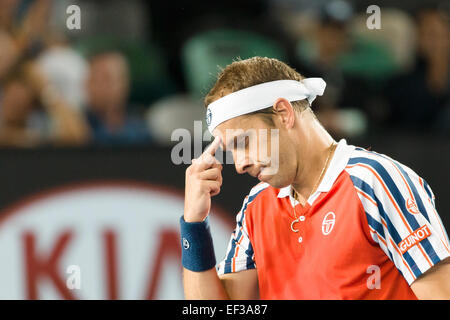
[328, 223]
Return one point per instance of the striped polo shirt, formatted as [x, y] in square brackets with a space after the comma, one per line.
[369, 230]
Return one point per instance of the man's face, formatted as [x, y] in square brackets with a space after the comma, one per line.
[433, 35]
[332, 38]
[263, 151]
[107, 83]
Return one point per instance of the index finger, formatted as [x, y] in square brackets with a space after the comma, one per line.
[212, 148]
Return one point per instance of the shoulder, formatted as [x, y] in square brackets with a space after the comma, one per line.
[258, 193]
[374, 168]
[388, 182]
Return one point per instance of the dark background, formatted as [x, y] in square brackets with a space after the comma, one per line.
[26, 172]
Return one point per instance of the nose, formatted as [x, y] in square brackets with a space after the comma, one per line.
[243, 166]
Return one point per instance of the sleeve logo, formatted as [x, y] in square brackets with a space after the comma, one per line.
[411, 206]
[414, 238]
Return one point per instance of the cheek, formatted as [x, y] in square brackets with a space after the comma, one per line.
[268, 146]
[287, 160]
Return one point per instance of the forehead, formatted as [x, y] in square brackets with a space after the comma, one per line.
[239, 127]
[237, 124]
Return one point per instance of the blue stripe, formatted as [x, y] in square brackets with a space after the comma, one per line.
[428, 191]
[425, 243]
[249, 251]
[398, 198]
[391, 228]
[227, 268]
[416, 195]
[378, 227]
[375, 225]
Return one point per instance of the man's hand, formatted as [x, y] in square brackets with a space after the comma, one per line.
[203, 181]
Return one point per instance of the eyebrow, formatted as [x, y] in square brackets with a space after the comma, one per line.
[234, 140]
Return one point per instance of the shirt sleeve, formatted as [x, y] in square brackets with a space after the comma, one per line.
[240, 255]
[402, 217]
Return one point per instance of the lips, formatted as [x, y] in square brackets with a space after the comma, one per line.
[259, 176]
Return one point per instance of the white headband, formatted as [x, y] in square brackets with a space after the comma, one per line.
[261, 96]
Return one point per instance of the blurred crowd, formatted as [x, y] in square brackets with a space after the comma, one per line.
[137, 70]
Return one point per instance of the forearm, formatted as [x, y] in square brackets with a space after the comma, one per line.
[203, 285]
[70, 127]
[435, 283]
[203, 180]
[34, 23]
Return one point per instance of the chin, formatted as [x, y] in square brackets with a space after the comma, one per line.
[278, 180]
[273, 181]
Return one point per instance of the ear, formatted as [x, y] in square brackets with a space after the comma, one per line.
[285, 112]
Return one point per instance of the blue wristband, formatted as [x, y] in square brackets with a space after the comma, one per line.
[196, 245]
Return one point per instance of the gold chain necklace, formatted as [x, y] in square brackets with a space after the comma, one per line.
[295, 193]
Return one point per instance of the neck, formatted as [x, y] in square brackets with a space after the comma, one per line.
[313, 155]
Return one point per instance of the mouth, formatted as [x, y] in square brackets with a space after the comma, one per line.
[260, 175]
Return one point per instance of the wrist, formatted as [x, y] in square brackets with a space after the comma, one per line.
[189, 217]
[191, 214]
[196, 245]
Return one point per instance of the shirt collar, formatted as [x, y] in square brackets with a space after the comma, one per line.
[337, 165]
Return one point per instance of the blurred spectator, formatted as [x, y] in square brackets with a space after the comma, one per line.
[121, 19]
[390, 50]
[173, 112]
[324, 54]
[21, 38]
[420, 99]
[108, 114]
[23, 125]
[66, 69]
[16, 102]
[32, 111]
[397, 34]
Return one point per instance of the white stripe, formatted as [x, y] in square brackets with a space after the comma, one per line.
[396, 219]
[432, 214]
[241, 259]
[430, 208]
[258, 188]
[388, 249]
[386, 202]
[436, 235]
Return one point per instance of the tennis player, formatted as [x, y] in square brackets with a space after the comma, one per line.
[328, 220]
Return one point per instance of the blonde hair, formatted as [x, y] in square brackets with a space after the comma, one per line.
[246, 73]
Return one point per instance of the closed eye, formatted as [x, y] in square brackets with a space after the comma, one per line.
[241, 142]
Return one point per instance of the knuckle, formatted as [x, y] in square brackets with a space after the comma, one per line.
[192, 168]
[197, 176]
